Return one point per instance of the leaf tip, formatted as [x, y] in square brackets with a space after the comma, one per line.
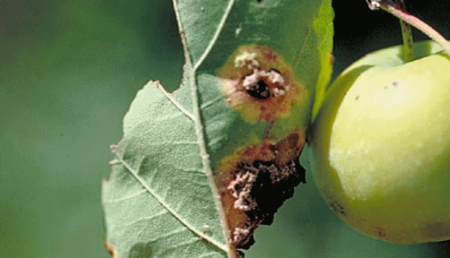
[110, 247]
[112, 147]
[152, 83]
[113, 162]
[105, 181]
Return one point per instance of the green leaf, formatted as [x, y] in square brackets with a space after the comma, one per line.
[158, 185]
[161, 199]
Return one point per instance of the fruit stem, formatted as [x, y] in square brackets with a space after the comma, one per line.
[407, 36]
[396, 10]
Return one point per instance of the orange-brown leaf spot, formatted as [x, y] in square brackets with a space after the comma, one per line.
[259, 84]
[255, 181]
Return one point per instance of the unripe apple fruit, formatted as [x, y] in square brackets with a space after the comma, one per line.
[380, 146]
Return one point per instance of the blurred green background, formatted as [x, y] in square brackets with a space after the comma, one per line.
[69, 70]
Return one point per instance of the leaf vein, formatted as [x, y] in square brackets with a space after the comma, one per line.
[211, 102]
[173, 232]
[167, 207]
[124, 198]
[300, 52]
[216, 35]
[175, 103]
[155, 215]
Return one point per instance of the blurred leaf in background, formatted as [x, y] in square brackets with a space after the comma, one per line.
[68, 72]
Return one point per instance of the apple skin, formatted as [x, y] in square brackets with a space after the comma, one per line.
[380, 146]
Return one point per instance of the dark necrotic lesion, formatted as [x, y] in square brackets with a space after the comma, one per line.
[262, 85]
[260, 188]
[259, 90]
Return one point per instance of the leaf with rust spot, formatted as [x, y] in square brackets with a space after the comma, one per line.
[191, 174]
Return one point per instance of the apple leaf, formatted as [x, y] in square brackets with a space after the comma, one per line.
[161, 199]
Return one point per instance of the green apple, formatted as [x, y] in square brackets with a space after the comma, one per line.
[380, 146]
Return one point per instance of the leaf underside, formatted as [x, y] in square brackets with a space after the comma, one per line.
[158, 201]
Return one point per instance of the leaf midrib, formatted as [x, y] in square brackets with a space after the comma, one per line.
[191, 69]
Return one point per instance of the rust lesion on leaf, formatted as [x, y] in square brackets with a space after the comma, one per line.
[259, 84]
[255, 181]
